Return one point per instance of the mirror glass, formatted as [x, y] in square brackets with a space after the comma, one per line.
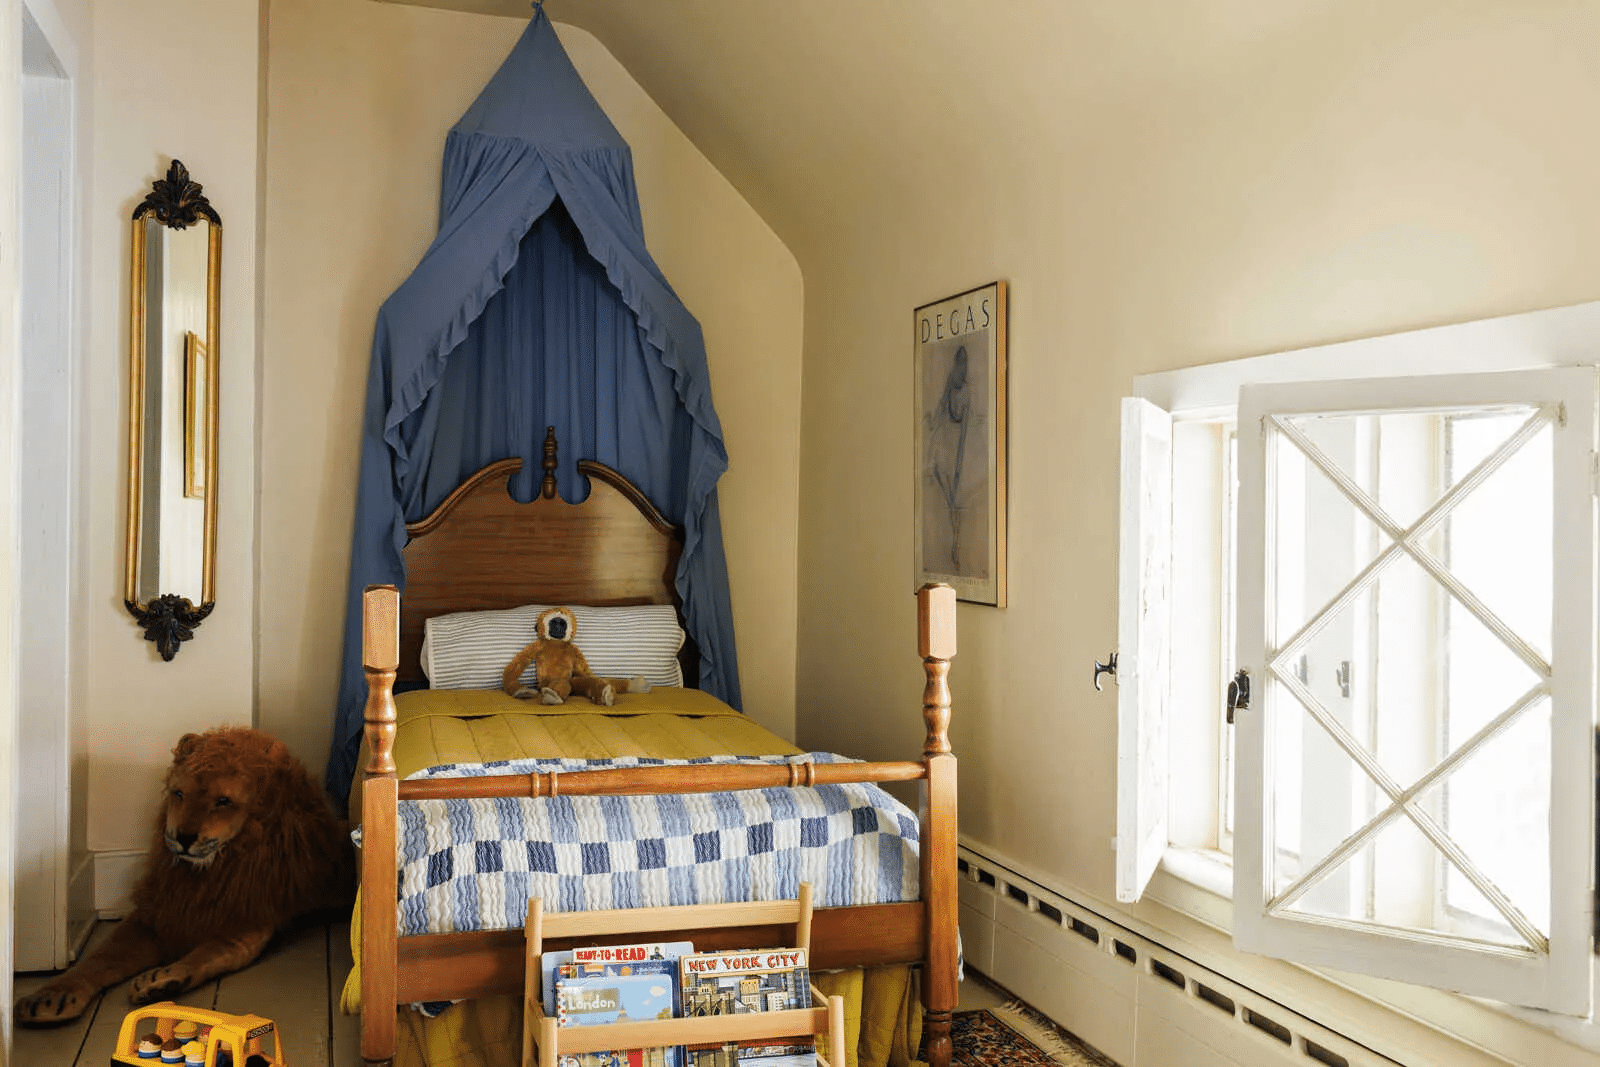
[172, 490]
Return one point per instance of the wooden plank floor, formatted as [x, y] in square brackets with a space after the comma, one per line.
[295, 983]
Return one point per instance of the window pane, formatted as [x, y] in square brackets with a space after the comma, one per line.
[1497, 808]
[1499, 544]
[1499, 537]
[1409, 654]
[1227, 616]
[1494, 808]
[1369, 647]
[1322, 539]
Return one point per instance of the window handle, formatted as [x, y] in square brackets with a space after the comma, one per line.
[1238, 694]
[1108, 667]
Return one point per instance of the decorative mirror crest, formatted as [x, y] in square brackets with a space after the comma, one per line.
[167, 620]
[177, 200]
[174, 329]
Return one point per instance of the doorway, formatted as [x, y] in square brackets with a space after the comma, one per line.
[53, 880]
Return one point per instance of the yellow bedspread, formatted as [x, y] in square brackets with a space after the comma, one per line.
[477, 726]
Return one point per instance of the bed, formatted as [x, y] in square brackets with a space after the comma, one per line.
[482, 551]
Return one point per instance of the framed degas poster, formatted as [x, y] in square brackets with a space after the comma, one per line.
[959, 382]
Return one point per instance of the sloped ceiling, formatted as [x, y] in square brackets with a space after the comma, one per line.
[818, 111]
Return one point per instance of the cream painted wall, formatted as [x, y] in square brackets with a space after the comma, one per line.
[361, 96]
[1359, 169]
[193, 96]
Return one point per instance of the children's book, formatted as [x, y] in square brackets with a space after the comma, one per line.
[612, 998]
[797, 1053]
[637, 1057]
[593, 1000]
[655, 958]
[737, 983]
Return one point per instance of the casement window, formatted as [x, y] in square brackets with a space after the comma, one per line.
[1404, 569]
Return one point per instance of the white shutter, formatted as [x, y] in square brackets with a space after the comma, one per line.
[1374, 794]
[1144, 635]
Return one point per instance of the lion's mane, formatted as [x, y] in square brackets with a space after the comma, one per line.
[290, 858]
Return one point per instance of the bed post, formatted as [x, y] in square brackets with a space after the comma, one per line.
[936, 643]
[547, 487]
[380, 657]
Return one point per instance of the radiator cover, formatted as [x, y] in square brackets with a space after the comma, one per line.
[1134, 1000]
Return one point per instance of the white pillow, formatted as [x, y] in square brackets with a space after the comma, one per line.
[469, 649]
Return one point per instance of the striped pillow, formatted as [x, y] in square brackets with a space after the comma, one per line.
[469, 649]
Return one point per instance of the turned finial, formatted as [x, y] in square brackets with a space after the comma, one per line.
[380, 658]
[936, 643]
[547, 488]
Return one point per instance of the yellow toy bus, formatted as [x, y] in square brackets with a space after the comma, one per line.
[216, 1037]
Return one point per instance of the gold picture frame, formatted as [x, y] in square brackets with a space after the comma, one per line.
[174, 364]
[959, 387]
[196, 416]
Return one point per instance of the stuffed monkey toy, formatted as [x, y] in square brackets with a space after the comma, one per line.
[559, 667]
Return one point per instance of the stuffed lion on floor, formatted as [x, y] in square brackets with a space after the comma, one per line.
[245, 843]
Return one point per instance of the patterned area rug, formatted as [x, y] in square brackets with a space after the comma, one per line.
[996, 1039]
[981, 1040]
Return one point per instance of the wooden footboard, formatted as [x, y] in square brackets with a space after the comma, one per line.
[396, 970]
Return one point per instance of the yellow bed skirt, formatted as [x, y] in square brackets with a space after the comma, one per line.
[883, 1010]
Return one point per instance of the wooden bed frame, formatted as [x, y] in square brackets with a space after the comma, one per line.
[482, 550]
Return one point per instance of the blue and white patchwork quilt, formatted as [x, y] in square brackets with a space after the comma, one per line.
[474, 864]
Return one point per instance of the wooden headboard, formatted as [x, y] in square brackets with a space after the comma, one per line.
[482, 550]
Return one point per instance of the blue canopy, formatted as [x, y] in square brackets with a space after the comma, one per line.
[537, 304]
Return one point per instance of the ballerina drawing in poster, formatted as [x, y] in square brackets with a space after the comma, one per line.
[956, 462]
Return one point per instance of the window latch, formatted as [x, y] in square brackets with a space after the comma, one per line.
[1238, 694]
[1108, 667]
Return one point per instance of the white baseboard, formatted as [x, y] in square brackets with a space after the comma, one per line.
[1138, 1000]
[115, 872]
[80, 887]
[81, 913]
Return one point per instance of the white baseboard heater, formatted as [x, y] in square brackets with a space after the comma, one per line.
[1135, 1001]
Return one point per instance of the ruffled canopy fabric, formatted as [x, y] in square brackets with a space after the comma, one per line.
[536, 305]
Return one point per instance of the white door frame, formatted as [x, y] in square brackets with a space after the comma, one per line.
[48, 472]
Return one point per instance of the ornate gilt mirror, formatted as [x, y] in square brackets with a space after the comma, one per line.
[172, 411]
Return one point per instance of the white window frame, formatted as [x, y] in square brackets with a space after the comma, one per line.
[1143, 635]
[1198, 882]
[1556, 975]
